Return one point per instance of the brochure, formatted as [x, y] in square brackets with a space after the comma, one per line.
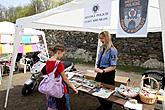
[103, 93]
[84, 88]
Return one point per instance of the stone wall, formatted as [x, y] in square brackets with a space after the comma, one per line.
[132, 51]
[79, 45]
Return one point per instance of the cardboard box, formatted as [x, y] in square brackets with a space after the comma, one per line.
[90, 75]
[121, 80]
[118, 79]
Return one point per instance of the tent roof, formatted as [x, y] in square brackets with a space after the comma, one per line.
[30, 31]
[70, 17]
[9, 28]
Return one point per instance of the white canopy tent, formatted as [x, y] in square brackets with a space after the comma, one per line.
[9, 28]
[70, 17]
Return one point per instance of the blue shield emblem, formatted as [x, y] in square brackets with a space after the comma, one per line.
[133, 14]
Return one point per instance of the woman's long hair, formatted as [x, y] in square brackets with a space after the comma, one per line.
[108, 39]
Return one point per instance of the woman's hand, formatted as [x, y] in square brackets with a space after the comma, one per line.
[98, 70]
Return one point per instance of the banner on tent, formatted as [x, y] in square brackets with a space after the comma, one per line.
[97, 13]
[132, 18]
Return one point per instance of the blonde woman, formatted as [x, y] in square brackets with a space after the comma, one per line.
[106, 65]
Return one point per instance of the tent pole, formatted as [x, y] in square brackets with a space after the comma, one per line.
[17, 39]
[45, 44]
[162, 15]
[98, 49]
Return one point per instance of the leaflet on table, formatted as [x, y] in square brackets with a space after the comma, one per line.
[84, 88]
[76, 84]
[89, 83]
[130, 105]
[103, 93]
[84, 82]
[74, 74]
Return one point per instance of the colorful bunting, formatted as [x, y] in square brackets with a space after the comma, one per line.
[26, 39]
[6, 48]
[20, 49]
[27, 48]
[35, 48]
[7, 39]
[34, 39]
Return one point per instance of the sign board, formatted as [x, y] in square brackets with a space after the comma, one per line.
[97, 13]
[132, 18]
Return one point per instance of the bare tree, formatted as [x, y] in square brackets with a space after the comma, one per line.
[10, 15]
[2, 12]
[48, 4]
[42, 5]
[38, 6]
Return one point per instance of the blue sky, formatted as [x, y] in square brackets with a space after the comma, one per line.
[10, 3]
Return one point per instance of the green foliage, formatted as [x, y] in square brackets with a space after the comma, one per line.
[14, 13]
[24, 11]
[36, 6]
[3, 19]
